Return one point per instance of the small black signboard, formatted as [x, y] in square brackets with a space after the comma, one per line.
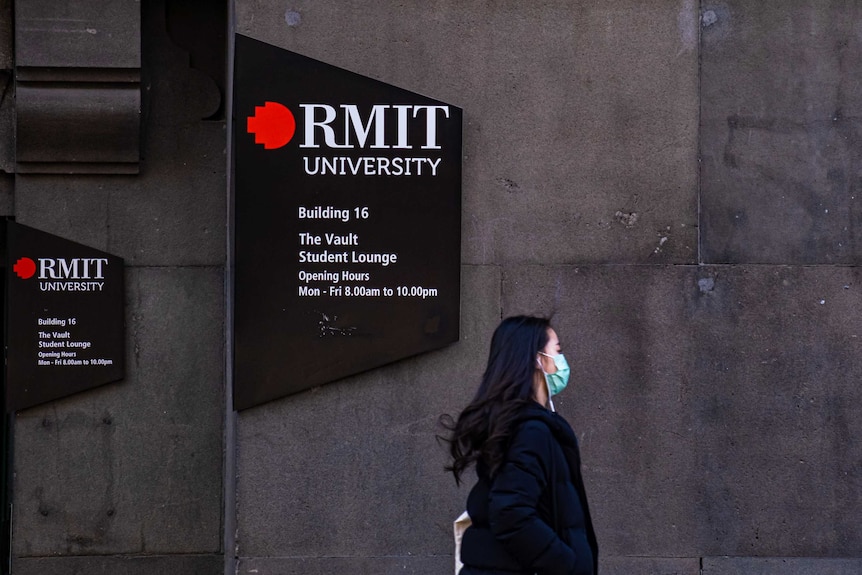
[65, 317]
[347, 223]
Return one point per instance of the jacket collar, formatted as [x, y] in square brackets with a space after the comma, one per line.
[556, 423]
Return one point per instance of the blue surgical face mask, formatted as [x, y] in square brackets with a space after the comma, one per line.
[558, 380]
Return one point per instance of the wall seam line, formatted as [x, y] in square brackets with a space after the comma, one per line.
[699, 158]
[229, 496]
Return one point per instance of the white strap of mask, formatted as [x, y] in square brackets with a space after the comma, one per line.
[547, 385]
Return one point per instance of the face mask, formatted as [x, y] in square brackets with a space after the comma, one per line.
[557, 381]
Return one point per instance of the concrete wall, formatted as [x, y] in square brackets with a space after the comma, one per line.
[127, 478]
[628, 167]
[675, 181]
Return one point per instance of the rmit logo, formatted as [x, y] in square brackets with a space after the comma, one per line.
[273, 125]
[62, 268]
[25, 268]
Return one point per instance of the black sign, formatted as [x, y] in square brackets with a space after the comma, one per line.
[65, 317]
[347, 223]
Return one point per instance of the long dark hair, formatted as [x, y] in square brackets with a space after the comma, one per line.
[484, 428]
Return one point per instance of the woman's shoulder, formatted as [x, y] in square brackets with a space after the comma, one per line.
[535, 420]
[534, 433]
[540, 427]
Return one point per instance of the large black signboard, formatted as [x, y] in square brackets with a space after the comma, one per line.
[347, 223]
[65, 319]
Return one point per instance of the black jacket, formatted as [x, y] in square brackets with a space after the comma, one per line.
[516, 529]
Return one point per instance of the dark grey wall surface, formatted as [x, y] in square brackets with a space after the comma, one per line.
[714, 403]
[707, 426]
[95, 565]
[781, 132]
[7, 105]
[780, 566]
[127, 479]
[676, 181]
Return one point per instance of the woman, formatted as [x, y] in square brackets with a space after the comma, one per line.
[528, 509]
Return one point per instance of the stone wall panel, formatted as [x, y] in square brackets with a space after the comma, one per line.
[174, 211]
[155, 565]
[329, 565]
[136, 466]
[780, 566]
[713, 403]
[781, 134]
